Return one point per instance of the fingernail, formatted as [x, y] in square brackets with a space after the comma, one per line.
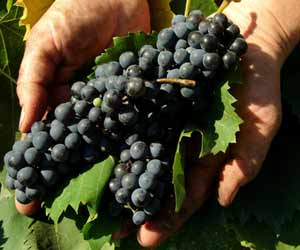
[21, 118]
[233, 195]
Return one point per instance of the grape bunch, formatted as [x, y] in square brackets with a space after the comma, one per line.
[133, 109]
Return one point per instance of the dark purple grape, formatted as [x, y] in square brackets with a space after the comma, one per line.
[239, 46]
[111, 98]
[60, 153]
[194, 39]
[139, 150]
[88, 93]
[35, 193]
[94, 114]
[139, 218]
[186, 71]
[72, 141]
[37, 127]
[129, 181]
[114, 185]
[82, 108]
[27, 176]
[113, 68]
[181, 56]
[84, 126]
[110, 124]
[134, 71]
[57, 131]
[138, 167]
[122, 196]
[221, 19]
[120, 170]
[211, 61]
[135, 87]
[76, 88]
[147, 181]
[127, 58]
[12, 172]
[48, 176]
[125, 155]
[16, 160]
[21, 197]
[233, 31]
[165, 59]
[196, 57]
[215, 29]
[128, 116]
[140, 197]
[230, 60]
[32, 156]
[64, 112]
[21, 146]
[166, 39]
[101, 70]
[10, 182]
[209, 43]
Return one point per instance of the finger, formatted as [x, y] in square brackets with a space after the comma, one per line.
[199, 180]
[28, 209]
[58, 94]
[36, 72]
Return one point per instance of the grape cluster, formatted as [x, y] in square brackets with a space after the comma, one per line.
[134, 109]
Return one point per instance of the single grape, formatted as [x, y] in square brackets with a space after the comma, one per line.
[99, 84]
[196, 57]
[147, 181]
[156, 149]
[211, 61]
[21, 146]
[178, 19]
[195, 16]
[203, 27]
[155, 167]
[37, 127]
[12, 172]
[151, 54]
[165, 59]
[64, 112]
[114, 185]
[186, 70]
[111, 98]
[194, 39]
[88, 93]
[10, 182]
[72, 141]
[110, 124]
[131, 139]
[7, 157]
[58, 131]
[113, 68]
[181, 44]
[129, 181]
[18, 185]
[209, 43]
[120, 170]
[76, 88]
[82, 108]
[32, 156]
[16, 160]
[128, 116]
[230, 60]
[173, 73]
[181, 56]
[239, 46]
[221, 19]
[122, 196]
[127, 58]
[111, 82]
[152, 207]
[21, 197]
[140, 197]
[138, 150]
[181, 30]
[134, 71]
[166, 39]
[48, 176]
[60, 153]
[135, 87]
[143, 48]
[215, 29]
[94, 114]
[139, 218]
[125, 155]
[138, 167]
[27, 176]
[35, 193]
[101, 70]
[84, 126]
[233, 31]
[187, 92]
[120, 84]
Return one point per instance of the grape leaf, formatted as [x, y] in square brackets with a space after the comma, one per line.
[11, 49]
[161, 14]
[273, 197]
[14, 226]
[206, 6]
[33, 10]
[86, 189]
[133, 42]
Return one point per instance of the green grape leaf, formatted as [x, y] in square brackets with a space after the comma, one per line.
[86, 189]
[14, 226]
[221, 123]
[11, 50]
[161, 14]
[206, 6]
[273, 197]
[290, 77]
[132, 42]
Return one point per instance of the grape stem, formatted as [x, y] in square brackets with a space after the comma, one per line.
[187, 7]
[224, 4]
[129, 207]
[184, 82]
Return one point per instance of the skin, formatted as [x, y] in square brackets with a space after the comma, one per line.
[271, 27]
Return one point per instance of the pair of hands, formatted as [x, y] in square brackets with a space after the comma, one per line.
[74, 31]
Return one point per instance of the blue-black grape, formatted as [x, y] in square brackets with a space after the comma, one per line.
[155, 167]
[120, 84]
[60, 153]
[147, 181]
[114, 185]
[181, 30]
[27, 176]
[57, 131]
[84, 126]
[111, 82]
[64, 112]
[82, 108]
[181, 44]
[230, 60]
[165, 59]
[151, 54]
[21, 197]
[129, 181]
[120, 170]
[166, 39]
[233, 31]
[99, 84]
[128, 116]
[134, 71]
[215, 29]
[122, 195]
[110, 124]
[72, 141]
[12, 172]
[94, 114]
[88, 93]
[105, 145]
[76, 88]
[221, 19]
[37, 127]
[203, 27]
[125, 155]
[139, 150]
[41, 140]
[131, 139]
[173, 73]
[111, 98]
[90, 153]
[16, 160]
[47, 160]
[64, 168]
[139, 217]
[140, 197]
[19, 186]
[196, 57]
[178, 19]
[194, 39]
[181, 56]
[35, 193]
[113, 68]
[127, 58]
[48, 176]
[138, 167]
[9, 182]
[135, 87]
[156, 149]
[143, 48]
[239, 46]
[32, 156]
[186, 70]
[21, 146]
[101, 70]
[209, 43]
[211, 61]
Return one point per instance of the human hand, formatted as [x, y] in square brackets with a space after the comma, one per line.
[271, 37]
[69, 34]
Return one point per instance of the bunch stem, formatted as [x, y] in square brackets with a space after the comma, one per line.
[184, 82]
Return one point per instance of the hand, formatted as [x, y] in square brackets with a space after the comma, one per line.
[69, 34]
[271, 37]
